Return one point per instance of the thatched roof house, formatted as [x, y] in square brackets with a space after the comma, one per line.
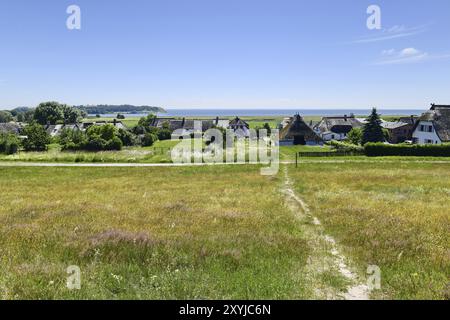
[238, 123]
[11, 127]
[433, 127]
[297, 132]
[188, 125]
[240, 127]
[337, 127]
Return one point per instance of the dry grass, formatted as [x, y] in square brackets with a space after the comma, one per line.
[153, 233]
[396, 216]
[221, 231]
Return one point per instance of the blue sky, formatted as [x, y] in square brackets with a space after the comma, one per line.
[226, 53]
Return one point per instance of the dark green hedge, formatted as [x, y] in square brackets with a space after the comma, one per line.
[433, 150]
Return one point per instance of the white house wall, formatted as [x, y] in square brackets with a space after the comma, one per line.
[421, 136]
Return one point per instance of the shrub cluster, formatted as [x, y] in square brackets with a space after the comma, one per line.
[346, 147]
[96, 138]
[148, 134]
[9, 143]
[433, 150]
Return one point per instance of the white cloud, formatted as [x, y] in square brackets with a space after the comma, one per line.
[408, 52]
[394, 32]
[407, 55]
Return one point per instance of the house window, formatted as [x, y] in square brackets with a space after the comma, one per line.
[430, 128]
[428, 141]
[422, 127]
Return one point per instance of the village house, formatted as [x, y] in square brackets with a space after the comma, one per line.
[337, 127]
[118, 124]
[187, 125]
[55, 130]
[401, 130]
[297, 132]
[239, 127]
[433, 127]
[11, 127]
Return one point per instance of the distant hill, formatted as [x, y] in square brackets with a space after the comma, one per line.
[126, 108]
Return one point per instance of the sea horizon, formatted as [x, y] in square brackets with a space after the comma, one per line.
[172, 112]
[271, 112]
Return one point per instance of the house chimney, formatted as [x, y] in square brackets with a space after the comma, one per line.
[183, 122]
[217, 121]
[114, 122]
[345, 117]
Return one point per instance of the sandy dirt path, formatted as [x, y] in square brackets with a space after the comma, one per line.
[325, 257]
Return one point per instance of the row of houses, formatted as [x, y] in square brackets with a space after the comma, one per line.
[239, 126]
[432, 127]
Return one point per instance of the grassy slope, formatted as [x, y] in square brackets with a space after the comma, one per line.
[395, 216]
[195, 236]
[148, 233]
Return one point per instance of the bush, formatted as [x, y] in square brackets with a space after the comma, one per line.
[355, 136]
[127, 137]
[9, 143]
[149, 139]
[72, 139]
[164, 134]
[114, 144]
[346, 147]
[433, 150]
[94, 143]
[97, 138]
[36, 138]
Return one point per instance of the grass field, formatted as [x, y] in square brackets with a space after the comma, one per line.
[158, 153]
[220, 231]
[395, 216]
[148, 233]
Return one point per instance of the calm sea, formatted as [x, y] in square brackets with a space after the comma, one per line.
[275, 112]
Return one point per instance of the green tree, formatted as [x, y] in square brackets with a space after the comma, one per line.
[146, 121]
[36, 137]
[5, 116]
[53, 112]
[268, 128]
[71, 115]
[48, 113]
[372, 130]
[355, 136]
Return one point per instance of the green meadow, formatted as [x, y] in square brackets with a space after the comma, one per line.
[222, 232]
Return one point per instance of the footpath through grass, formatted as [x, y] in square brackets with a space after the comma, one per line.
[220, 232]
[395, 216]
